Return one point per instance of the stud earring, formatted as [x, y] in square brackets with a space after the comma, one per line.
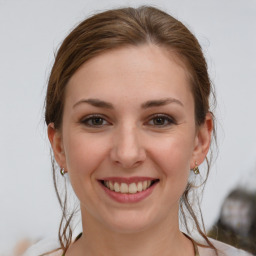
[62, 171]
[196, 169]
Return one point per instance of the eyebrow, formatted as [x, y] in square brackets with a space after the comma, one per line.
[148, 104]
[96, 103]
[160, 102]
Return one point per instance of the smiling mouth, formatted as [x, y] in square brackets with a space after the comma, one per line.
[125, 188]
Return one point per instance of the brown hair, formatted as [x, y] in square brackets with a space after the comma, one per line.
[118, 28]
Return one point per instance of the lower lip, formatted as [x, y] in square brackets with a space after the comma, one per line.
[129, 198]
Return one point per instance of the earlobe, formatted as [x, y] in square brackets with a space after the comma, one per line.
[55, 139]
[203, 140]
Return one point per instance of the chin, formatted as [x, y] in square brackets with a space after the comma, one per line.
[129, 223]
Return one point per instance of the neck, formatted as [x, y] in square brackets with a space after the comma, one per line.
[162, 239]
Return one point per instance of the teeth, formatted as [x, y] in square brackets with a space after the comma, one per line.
[139, 186]
[144, 185]
[106, 183]
[116, 187]
[125, 188]
[133, 188]
[111, 186]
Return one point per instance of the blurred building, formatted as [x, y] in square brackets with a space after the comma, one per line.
[237, 221]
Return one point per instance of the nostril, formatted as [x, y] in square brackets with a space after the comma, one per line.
[128, 164]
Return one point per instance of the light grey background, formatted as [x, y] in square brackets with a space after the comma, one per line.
[31, 31]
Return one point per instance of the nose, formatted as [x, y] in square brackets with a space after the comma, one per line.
[127, 151]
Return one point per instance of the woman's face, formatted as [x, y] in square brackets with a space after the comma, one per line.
[128, 138]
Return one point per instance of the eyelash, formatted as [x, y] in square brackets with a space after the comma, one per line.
[91, 118]
[166, 118]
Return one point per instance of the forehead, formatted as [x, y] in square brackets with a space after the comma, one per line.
[131, 70]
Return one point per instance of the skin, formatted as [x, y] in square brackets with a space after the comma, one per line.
[128, 140]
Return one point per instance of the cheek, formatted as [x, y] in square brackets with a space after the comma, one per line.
[83, 156]
[173, 157]
[174, 154]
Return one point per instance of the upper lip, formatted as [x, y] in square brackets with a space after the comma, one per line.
[127, 180]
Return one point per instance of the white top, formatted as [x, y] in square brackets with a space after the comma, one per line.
[223, 249]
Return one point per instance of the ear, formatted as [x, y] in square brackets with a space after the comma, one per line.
[202, 141]
[55, 139]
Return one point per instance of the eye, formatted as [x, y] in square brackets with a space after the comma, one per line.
[95, 121]
[161, 120]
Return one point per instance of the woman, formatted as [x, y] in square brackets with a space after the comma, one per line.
[128, 117]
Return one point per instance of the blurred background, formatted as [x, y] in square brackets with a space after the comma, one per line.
[30, 33]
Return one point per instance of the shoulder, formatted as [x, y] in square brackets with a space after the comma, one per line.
[44, 246]
[223, 250]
